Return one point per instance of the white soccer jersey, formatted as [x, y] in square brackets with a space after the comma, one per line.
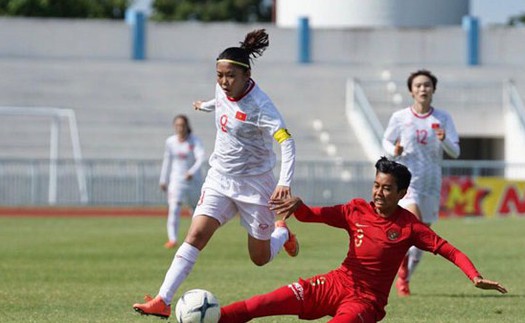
[181, 158]
[246, 130]
[422, 150]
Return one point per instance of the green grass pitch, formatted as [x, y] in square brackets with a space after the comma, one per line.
[94, 269]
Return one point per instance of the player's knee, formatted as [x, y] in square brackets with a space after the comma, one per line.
[260, 260]
[197, 238]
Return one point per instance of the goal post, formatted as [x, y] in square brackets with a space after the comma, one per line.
[56, 115]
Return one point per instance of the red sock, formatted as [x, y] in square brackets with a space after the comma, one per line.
[234, 313]
[402, 272]
[281, 301]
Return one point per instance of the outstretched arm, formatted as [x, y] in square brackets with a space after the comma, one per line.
[461, 260]
[332, 215]
[206, 106]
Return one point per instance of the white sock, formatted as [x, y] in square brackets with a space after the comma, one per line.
[173, 221]
[414, 256]
[277, 240]
[180, 268]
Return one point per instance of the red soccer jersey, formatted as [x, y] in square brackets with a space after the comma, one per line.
[378, 245]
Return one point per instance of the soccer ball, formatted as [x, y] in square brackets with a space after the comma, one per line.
[198, 306]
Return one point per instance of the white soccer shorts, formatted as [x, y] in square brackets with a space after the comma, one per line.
[223, 196]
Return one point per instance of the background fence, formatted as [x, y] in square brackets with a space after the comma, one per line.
[136, 182]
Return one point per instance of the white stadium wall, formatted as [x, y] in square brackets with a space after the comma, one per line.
[102, 39]
[371, 13]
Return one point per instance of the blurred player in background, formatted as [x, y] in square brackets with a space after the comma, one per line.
[417, 136]
[180, 174]
[240, 180]
[380, 234]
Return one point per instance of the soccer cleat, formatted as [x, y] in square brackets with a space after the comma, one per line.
[153, 306]
[402, 287]
[291, 246]
[170, 244]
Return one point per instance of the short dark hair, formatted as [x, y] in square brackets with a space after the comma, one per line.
[400, 172]
[427, 73]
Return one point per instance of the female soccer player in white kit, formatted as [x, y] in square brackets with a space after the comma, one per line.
[241, 178]
[417, 137]
[180, 173]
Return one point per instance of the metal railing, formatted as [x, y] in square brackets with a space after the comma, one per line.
[363, 119]
[514, 102]
[370, 104]
[135, 182]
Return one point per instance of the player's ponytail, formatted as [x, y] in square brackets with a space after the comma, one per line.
[255, 43]
[253, 46]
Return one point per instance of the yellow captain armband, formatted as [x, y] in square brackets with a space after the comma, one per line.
[281, 135]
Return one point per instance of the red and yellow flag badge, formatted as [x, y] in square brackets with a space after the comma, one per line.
[240, 116]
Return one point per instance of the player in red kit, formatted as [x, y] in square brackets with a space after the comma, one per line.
[380, 234]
